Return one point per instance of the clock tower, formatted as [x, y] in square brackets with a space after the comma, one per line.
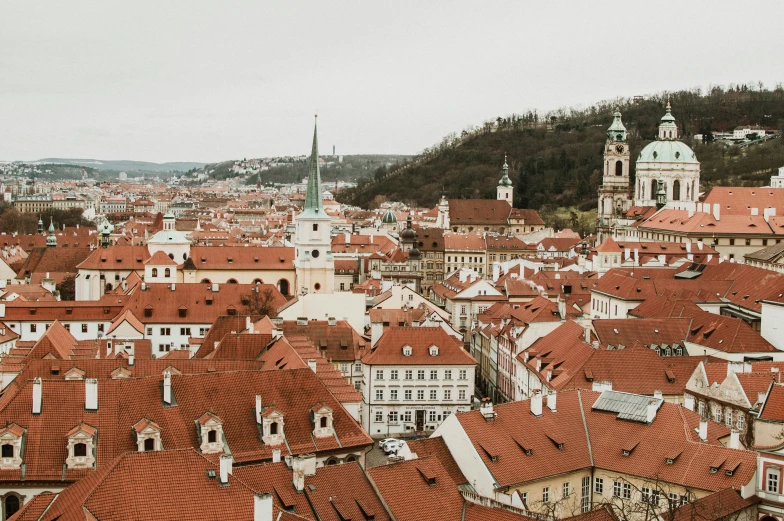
[313, 254]
[614, 194]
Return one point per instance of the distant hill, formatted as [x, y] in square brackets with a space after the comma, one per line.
[128, 166]
[293, 169]
[555, 158]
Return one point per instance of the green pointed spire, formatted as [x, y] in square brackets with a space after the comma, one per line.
[505, 181]
[313, 200]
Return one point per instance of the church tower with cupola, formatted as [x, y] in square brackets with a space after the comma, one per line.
[314, 263]
[614, 193]
[505, 190]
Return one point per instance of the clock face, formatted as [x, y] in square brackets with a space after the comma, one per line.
[619, 149]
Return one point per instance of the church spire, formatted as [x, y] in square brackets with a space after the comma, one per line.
[313, 200]
[505, 181]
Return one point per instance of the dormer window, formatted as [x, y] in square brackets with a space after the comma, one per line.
[211, 433]
[321, 415]
[81, 447]
[11, 438]
[433, 350]
[407, 350]
[272, 426]
[148, 436]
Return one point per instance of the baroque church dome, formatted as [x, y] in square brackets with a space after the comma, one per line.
[667, 152]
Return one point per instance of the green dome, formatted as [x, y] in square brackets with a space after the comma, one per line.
[389, 218]
[667, 152]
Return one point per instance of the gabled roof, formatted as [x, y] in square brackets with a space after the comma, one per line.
[389, 348]
[160, 259]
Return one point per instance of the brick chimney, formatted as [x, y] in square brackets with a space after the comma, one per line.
[37, 396]
[262, 507]
[91, 394]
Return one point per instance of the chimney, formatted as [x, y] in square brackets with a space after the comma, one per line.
[536, 403]
[703, 429]
[636, 257]
[331, 321]
[595, 344]
[551, 401]
[91, 394]
[249, 325]
[172, 286]
[650, 412]
[688, 246]
[734, 439]
[699, 244]
[716, 211]
[312, 364]
[486, 410]
[755, 211]
[658, 394]
[131, 359]
[301, 466]
[587, 331]
[258, 409]
[275, 455]
[167, 388]
[262, 507]
[225, 469]
[37, 396]
[688, 402]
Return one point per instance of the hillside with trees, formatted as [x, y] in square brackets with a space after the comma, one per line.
[555, 159]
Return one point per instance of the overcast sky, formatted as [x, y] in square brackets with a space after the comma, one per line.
[191, 80]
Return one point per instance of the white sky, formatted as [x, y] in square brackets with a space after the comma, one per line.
[192, 80]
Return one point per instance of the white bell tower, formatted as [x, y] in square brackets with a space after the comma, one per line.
[313, 259]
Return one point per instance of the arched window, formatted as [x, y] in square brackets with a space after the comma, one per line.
[232, 281]
[171, 256]
[273, 428]
[332, 461]
[206, 281]
[149, 445]
[11, 505]
[351, 458]
[323, 422]
[676, 190]
[167, 272]
[283, 286]
[212, 436]
[258, 281]
[619, 168]
[80, 449]
[653, 190]
[155, 272]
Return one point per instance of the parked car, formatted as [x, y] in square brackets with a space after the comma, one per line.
[393, 446]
